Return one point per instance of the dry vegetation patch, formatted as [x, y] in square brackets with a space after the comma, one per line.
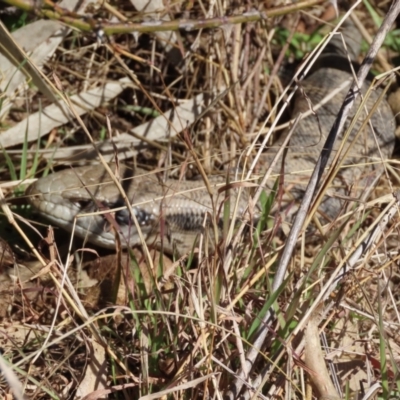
[189, 103]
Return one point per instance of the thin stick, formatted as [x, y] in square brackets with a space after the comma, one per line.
[91, 25]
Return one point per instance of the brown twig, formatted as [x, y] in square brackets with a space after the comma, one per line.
[85, 24]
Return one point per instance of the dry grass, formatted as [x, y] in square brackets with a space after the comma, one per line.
[180, 328]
